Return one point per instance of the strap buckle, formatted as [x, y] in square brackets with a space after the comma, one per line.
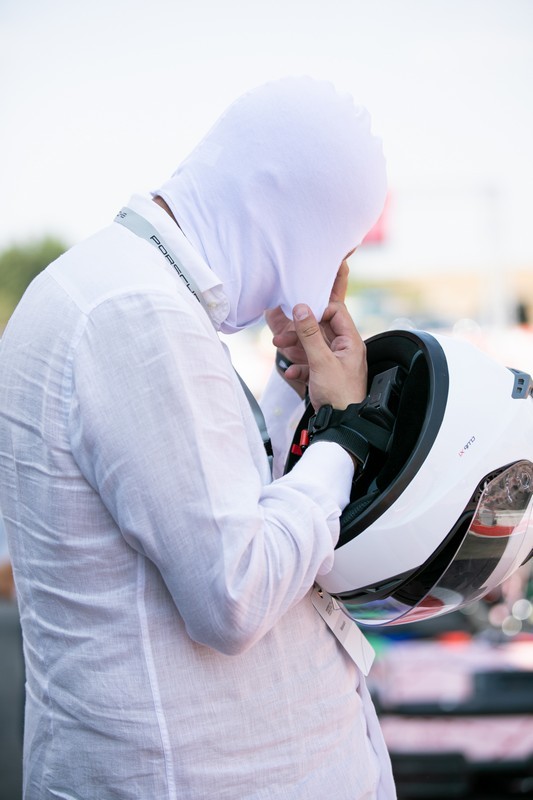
[321, 420]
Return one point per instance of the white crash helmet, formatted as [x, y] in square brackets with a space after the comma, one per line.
[440, 514]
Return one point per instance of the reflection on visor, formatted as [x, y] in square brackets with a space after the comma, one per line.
[482, 551]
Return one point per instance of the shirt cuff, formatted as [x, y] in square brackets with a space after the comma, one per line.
[331, 467]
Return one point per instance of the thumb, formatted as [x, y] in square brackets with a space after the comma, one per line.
[309, 333]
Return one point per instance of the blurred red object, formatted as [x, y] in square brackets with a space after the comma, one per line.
[378, 234]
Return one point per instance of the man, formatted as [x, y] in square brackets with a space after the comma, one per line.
[164, 577]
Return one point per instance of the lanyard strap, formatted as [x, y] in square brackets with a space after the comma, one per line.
[140, 226]
[259, 419]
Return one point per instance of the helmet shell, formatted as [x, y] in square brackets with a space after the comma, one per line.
[461, 418]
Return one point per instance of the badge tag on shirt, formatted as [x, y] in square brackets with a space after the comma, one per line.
[345, 629]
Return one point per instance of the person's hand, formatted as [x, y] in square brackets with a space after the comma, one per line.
[336, 356]
[288, 343]
[289, 346]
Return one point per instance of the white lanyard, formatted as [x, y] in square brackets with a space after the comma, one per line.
[344, 629]
[140, 226]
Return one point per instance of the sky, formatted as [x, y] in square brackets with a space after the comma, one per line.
[99, 100]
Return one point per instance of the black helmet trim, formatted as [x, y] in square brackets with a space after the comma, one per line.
[419, 418]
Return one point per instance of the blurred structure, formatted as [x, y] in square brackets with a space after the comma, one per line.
[455, 698]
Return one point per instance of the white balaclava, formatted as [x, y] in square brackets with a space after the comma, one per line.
[285, 184]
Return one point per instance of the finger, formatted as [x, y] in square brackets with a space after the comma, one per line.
[285, 339]
[297, 372]
[276, 319]
[340, 284]
[337, 321]
[309, 334]
[338, 326]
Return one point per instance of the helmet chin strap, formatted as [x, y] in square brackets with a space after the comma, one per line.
[361, 425]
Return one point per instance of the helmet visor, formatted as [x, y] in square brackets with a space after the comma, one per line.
[498, 539]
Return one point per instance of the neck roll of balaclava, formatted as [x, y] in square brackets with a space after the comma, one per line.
[285, 184]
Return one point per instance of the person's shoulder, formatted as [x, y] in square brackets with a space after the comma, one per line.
[115, 268]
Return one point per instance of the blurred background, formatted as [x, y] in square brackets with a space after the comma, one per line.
[99, 100]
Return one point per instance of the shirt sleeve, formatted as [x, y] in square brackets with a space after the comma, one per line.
[157, 428]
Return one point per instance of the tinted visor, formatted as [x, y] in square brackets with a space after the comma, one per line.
[484, 547]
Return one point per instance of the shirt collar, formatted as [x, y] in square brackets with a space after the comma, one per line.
[207, 281]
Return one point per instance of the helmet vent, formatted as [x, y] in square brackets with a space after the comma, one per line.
[523, 385]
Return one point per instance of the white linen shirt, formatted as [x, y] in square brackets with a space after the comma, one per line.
[164, 580]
